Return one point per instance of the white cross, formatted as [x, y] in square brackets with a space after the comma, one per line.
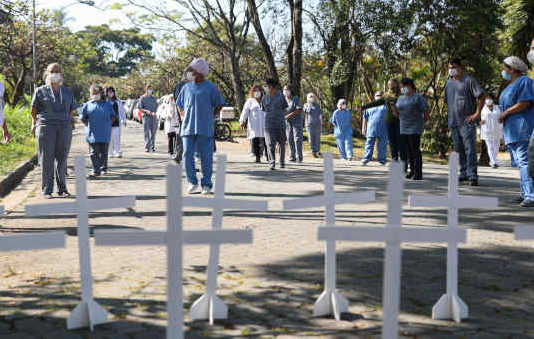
[174, 239]
[393, 235]
[88, 313]
[450, 305]
[330, 301]
[26, 242]
[210, 306]
[524, 232]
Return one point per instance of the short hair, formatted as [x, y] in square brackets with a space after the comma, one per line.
[96, 88]
[272, 82]
[53, 66]
[455, 61]
[409, 82]
[110, 88]
[289, 87]
[148, 86]
[253, 89]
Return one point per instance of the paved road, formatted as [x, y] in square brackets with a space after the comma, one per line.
[270, 287]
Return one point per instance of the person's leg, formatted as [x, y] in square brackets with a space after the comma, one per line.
[348, 146]
[409, 152]
[369, 149]
[251, 143]
[270, 142]
[47, 144]
[469, 136]
[189, 159]
[205, 146]
[256, 148]
[94, 158]
[417, 156]
[299, 137]
[146, 132]
[155, 126]
[458, 143]
[170, 142]
[261, 147]
[531, 156]
[520, 150]
[112, 141]
[291, 141]
[178, 148]
[62, 148]
[105, 152]
[382, 149]
[493, 151]
[281, 139]
[340, 141]
[393, 141]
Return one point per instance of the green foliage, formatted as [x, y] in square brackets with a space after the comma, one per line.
[436, 137]
[22, 144]
[519, 23]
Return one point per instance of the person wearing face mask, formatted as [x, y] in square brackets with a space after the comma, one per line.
[198, 103]
[491, 130]
[254, 118]
[413, 111]
[98, 116]
[52, 110]
[341, 119]
[149, 106]
[530, 57]
[465, 99]
[294, 125]
[517, 104]
[375, 129]
[116, 130]
[313, 122]
[274, 105]
[3, 123]
[168, 112]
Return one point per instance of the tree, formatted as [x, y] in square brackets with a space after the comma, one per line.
[519, 26]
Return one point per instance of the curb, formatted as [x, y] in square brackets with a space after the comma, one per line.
[11, 181]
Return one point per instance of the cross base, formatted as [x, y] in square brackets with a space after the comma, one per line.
[450, 306]
[87, 314]
[331, 302]
[208, 307]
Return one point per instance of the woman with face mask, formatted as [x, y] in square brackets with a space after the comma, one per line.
[313, 121]
[294, 125]
[98, 116]
[341, 119]
[254, 118]
[374, 128]
[413, 111]
[517, 104]
[52, 110]
[149, 106]
[274, 105]
[116, 129]
[491, 130]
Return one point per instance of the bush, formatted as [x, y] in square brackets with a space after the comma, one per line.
[22, 144]
[436, 137]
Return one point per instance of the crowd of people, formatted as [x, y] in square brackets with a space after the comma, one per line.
[274, 116]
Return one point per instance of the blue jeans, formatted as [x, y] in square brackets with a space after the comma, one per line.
[344, 144]
[370, 146]
[520, 154]
[396, 146]
[465, 144]
[204, 145]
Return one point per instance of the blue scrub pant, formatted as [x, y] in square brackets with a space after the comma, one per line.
[314, 137]
[294, 139]
[53, 146]
[204, 145]
[99, 156]
[344, 144]
[370, 146]
[520, 154]
[396, 146]
[150, 127]
[465, 144]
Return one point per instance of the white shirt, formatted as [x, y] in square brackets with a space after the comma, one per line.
[168, 112]
[255, 118]
[491, 129]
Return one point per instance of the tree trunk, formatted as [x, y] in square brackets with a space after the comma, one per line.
[237, 84]
[267, 52]
[297, 46]
[18, 90]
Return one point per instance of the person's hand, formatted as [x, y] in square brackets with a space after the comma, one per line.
[124, 123]
[73, 124]
[7, 137]
[363, 131]
[242, 125]
[503, 117]
[33, 129]
[471, 119]
[482, 122]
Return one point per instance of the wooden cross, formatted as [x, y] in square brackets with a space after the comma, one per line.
[393, 234]
[330, 301]
[450, 305]
[209, 305]
[174, 239]
[88, 313]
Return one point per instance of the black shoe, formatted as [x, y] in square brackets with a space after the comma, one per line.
[473, 182]
[258, 160]
[527, 203]
[293, 160]
[282, 165]
[409, 175]
[517, 200]
[464, 179]
[418, 178]
[272, 168]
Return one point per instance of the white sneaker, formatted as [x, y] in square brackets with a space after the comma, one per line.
[206, 190]
[192, 188]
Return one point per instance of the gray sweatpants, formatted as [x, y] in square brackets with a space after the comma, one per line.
[275, 136]
[53, 149]
[150, 127]
[314, 137]
[294, 139]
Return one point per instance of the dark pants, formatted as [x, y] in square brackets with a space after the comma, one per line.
[273, 137]
[99, 156]
[396, 145]
[172, 139]
[465, 144]
[258, 145]
[415, 158]
[53, 146]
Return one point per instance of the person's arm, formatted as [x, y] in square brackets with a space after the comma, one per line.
[517, 108]
[481, 96]
[374, 103]
[525, 99]
[364, 126]
[244, 114]
[83, 115]
[297, 110]
[122, 113]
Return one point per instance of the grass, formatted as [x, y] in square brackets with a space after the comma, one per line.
[22, 144]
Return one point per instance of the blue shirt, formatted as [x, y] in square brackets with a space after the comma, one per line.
[274, 108]
[376, 121]
[341, 120]
[148, 102]
[199, 102]
[462, 99]
[293, 105]
[518, 127]
[53, 108]
[411, 113]
[98, 116]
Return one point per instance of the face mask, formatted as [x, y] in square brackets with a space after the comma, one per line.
[530, 56]
[96, 97]
[257, 94]
[266, 89]
[190, 76]
[404, 90]
[150, 91]
[55, 78]
[377, 97]
[506, 76]
[453, 72]
[287, 93]
[489, 102]
[343, 106]
[311, 99]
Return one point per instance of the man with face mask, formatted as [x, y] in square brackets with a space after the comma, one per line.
[530, 57]
[52, 110]
[149, 106]
[465, 99]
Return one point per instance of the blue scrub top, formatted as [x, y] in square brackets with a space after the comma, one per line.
[341, 120]
[274, 108]
[98, 116]
[411, 113]
[518, 127]
[199, 102]
[376, 121]
[293, 105]
[53, 108]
